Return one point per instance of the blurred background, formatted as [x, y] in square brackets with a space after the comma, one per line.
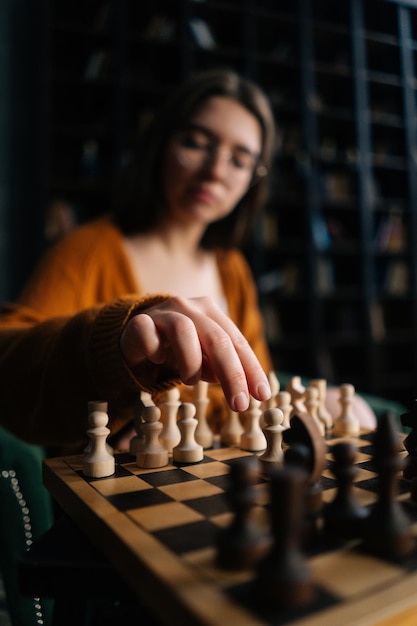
[335, 253]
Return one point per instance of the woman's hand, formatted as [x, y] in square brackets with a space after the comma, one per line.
[194, 338]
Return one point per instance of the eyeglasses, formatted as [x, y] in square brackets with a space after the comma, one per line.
[195, 149]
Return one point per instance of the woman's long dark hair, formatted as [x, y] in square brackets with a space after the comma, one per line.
[139, 203]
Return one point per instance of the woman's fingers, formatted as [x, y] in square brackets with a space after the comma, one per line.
[196, 339]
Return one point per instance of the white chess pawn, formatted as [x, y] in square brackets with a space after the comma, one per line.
[297, 391]
[252, 438]
[188, 450]
[323, 414]
[275, 387]
[284, 403]
[151, 452]
[273, 455]
[97, 405]
[232, 429]
[312, 403]
[137, 440]
[98, 462]
[272, 402]
[203, 433]
[144, 399]
[169, 404]
[346, 423]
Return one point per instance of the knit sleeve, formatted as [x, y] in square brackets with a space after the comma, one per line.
[51, 368]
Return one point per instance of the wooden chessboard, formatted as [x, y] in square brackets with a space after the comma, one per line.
[158, 528]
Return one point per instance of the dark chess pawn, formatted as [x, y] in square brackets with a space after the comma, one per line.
[243, 543]
[283, 577]
[306, 443]
[388, 532]
[298, 455]
[343, 517]
[409, 420]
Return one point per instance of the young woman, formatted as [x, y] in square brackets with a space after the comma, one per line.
[156, 293]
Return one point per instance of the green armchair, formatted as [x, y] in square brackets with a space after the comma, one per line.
[25, 514]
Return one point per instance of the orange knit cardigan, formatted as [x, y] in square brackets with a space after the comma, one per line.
[60, 341]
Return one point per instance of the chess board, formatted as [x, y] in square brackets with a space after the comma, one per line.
[158, 527]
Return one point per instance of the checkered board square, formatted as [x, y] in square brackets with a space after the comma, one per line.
[181, 509]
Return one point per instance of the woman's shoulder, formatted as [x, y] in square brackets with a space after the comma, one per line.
[94, 230]
[88, 238]
[232, 260]
[86, 246]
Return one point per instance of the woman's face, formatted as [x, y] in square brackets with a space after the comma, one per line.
[210, 162]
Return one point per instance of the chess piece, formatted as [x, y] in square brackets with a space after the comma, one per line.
[284, 403]
[97, 405]
[272, 402]
[296, 390]
[283, 578]
[98, 462]
[232, 429]
[243, 542]
[203, 433]
[388, 533]
[299, 455]
[409, 420]
[275, 387]
[252, 438]
[346, 423]
[188, 450]
[151, 453]
[307, 449]
[343, 517]
[144, 399]
[304, 431]
[312, 404]
[322, 413]
[169, 403]
[273, 455]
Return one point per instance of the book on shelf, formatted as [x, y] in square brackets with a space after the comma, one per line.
[272, 322]
[160, 27]
[268, 282]
[378, 328]
[325, 280]
[390, 235]
[202, 34]
[320, 232]
[397, 279]
[269, 230]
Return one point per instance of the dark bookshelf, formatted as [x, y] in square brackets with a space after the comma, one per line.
[335, 253]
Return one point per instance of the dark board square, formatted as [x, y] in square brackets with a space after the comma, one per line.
[328, 483]
[367, 437]
[371, 484]
[245, 595]
[138, 499]
[223, 481]
[124, 457]
[367, 465]
[188, 537]
[169, 477]
[367, 450]
[210, 505]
